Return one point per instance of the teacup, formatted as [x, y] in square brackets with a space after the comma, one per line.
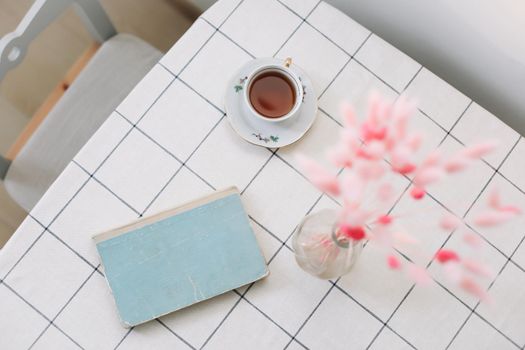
[273, 93]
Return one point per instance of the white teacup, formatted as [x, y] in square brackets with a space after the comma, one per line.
[285, 72]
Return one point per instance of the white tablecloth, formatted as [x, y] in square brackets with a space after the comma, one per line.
[169, 141]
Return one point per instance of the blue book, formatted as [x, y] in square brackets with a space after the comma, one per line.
[180, 257]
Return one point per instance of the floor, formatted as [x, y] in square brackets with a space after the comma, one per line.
[159, 22]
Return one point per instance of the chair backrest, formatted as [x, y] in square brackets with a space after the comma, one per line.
[4, 165]
[13, 46]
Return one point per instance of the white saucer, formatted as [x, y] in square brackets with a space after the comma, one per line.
[260, 132]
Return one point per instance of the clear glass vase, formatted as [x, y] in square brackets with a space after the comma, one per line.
[320, 249]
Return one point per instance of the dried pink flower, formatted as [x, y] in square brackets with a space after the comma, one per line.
[385, 220]
[450, 222]
[356, 233]
[470, 286]
[417, 192]
[322, 178]
[446, 255]
[393, 262]
[382, 144]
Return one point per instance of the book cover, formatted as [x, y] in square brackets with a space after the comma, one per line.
[180, 257]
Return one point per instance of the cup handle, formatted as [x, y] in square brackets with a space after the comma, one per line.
[288, 62]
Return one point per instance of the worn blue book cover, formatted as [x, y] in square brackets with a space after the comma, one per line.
[180, 257]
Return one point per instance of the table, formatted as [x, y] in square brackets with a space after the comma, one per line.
[169, 141]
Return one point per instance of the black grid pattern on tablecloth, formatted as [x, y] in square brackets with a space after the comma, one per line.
[92, 176]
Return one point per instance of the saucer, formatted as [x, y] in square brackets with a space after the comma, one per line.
[264, 133]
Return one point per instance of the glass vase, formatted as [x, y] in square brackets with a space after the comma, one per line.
[320, 249]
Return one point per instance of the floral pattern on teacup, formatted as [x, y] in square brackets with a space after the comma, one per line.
[304, 89]
[260, 137]
[240, 86]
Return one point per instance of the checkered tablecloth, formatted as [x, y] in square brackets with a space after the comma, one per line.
[169, 141]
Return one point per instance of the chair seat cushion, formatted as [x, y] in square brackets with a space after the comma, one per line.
[114, 70]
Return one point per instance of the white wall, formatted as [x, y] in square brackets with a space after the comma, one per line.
[476, 45]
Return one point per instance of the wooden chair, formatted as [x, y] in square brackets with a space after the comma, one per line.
[48, 144]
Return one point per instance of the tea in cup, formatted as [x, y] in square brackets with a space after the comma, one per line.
[274, 93]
